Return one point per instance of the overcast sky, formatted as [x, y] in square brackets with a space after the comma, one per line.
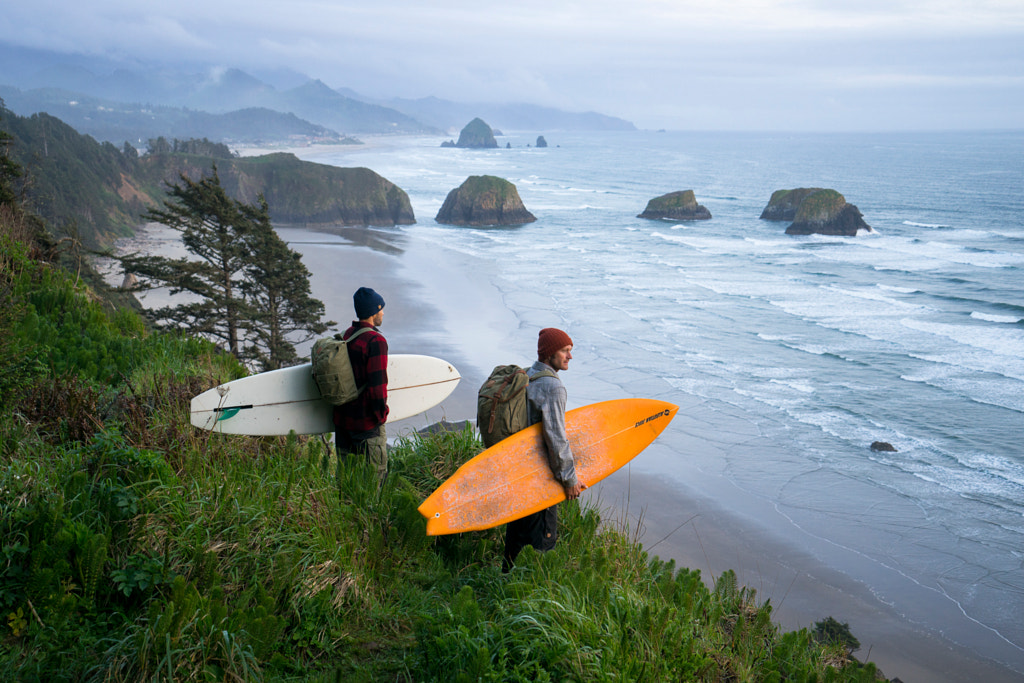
[677, 64]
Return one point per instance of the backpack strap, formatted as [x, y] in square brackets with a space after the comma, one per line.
[341, 337]
[508, 381]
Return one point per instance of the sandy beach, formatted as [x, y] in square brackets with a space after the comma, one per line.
[438, 304]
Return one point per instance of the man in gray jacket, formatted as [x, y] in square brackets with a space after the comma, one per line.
[545, 399]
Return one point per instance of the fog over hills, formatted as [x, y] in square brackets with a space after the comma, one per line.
[119, 102]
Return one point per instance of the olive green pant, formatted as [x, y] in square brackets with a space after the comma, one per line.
[373, 444]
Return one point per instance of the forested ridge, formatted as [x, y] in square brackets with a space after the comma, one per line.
[95, 192]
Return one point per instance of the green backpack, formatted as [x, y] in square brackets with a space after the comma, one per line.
[332, 369]
[501, 403]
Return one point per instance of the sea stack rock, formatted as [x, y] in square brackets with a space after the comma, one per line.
[676, 206]
[541, 142]
[477, 135]
[783, 204]
[484, 200]
[826, 212]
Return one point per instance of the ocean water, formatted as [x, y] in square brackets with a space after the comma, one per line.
[789, 356]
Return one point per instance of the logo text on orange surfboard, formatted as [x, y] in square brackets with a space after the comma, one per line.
[663, 413]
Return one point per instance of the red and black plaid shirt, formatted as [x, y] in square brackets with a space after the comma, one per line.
[369, 355]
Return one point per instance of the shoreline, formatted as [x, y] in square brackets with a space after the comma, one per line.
[439, 304]
[313, 149]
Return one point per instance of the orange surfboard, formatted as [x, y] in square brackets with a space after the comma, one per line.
[513, 479]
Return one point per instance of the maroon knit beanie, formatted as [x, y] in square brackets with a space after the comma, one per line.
[551, 340]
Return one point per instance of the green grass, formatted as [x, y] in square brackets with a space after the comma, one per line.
[819, 206]
[134, 547]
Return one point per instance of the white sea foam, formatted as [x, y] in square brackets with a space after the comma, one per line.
[989, 317]
[1006, 342]
[900, 253]
[967, 234]
[1010, 470]
[874, 295]
[899, 290]
[802, 387]
[948, 373]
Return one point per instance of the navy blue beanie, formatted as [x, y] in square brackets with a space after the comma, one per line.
[367, 302]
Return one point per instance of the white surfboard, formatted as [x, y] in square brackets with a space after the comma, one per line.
[276, 402]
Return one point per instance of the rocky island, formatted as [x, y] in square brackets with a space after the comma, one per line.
[676, 206]
[783, 203]
[815, 211]
[484, 200]
[476, 135]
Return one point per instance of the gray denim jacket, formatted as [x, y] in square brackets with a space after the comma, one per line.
[545, 398]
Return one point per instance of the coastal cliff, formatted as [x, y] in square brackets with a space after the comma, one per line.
[484, 200]
[299, 192]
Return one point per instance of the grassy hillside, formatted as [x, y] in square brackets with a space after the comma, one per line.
[134, 547]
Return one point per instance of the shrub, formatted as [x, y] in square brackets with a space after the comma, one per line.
[832, 631]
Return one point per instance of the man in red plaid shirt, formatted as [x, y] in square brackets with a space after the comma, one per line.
[359, 424]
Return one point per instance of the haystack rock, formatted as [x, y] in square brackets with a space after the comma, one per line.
[676, 206]
[476, 135]
[484, 200]
[826, 212]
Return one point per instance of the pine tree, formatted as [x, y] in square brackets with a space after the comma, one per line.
[10, 171]
[248, 290]
[212, 227]
[277, 291]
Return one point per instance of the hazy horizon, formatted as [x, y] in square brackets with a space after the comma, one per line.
[738, 65]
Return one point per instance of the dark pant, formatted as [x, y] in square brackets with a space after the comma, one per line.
[373, 444]
[539, 530]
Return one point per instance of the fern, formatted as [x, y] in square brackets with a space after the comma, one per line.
[90, 562]
[726, 587]
[262, 629]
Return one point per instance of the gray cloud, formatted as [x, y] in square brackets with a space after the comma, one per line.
[753, 64]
